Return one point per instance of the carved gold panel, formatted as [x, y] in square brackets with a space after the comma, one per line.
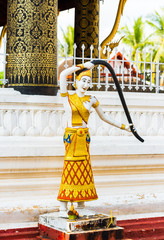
[32, 42]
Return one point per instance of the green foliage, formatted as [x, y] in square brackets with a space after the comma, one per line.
[138, 31]
[69, 40]
[135, 38]
[156, 21]
[1, 75]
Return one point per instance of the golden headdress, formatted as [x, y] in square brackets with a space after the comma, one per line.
[83, 73]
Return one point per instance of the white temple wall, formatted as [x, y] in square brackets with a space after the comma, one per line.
[129, 175]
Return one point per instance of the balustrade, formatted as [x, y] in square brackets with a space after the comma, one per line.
[49, 120]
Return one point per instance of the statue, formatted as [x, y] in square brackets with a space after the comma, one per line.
[77, 183]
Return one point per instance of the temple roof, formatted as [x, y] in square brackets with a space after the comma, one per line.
[65, 4]
[62, 5]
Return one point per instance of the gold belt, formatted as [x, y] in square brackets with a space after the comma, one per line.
[79, 131]
[78, 148]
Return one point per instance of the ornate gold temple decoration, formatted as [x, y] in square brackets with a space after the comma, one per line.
[87, 26]
[107, 41]
[32, 43]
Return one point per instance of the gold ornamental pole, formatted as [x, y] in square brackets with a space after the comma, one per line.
[87, 26]
[32, 46]
[87, 30]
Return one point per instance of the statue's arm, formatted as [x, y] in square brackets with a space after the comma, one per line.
[109, 120]
[63, 77]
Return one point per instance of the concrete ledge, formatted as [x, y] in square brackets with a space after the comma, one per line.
[100, 145]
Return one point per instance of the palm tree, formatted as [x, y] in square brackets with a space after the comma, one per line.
[156, 21]
[69, 40]
[135, 38]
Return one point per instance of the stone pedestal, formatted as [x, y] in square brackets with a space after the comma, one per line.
[97, 226]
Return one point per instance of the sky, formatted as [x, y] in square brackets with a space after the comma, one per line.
[132, 10]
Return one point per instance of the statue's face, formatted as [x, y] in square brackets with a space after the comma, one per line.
[83, 84]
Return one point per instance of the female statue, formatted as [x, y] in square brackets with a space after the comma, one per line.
[77, 184]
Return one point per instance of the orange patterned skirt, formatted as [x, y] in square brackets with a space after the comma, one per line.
[77, 182]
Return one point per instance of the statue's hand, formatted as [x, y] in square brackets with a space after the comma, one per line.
[89, 65]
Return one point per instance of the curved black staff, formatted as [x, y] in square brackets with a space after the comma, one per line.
[132, 128]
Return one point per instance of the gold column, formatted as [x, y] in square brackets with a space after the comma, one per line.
[32, 46]
[87, 26]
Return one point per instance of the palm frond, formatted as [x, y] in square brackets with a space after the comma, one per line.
[68, 37]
